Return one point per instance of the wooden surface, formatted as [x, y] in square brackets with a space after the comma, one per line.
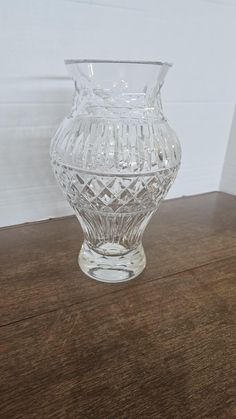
[160, 346]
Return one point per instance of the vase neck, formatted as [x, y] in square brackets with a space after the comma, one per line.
[117, 88]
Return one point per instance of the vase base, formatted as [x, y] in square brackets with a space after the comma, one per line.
[112, 268]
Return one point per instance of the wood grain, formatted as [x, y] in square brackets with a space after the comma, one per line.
[162, 346]
[38, 261]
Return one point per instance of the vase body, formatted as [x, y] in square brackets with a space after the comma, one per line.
[115, 158]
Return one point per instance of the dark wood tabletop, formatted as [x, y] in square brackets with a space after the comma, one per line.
[160, 346]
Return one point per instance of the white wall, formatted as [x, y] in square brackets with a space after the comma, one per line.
[35, 93]
[228, 178]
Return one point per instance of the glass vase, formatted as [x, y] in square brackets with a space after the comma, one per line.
[115, 157]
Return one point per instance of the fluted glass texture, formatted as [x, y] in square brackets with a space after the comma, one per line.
[115, 157]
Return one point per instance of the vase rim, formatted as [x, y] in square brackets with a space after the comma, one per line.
[98, 61]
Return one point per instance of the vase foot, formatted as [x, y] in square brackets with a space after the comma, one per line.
[114, 267]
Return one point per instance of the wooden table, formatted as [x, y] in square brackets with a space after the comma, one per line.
[160, 346]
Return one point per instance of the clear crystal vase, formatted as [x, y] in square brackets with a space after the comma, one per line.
[115, 157]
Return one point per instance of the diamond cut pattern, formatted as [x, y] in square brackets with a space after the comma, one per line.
[115, 194]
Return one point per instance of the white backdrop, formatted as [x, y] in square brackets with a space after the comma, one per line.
[228, 178]
[198, 36]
